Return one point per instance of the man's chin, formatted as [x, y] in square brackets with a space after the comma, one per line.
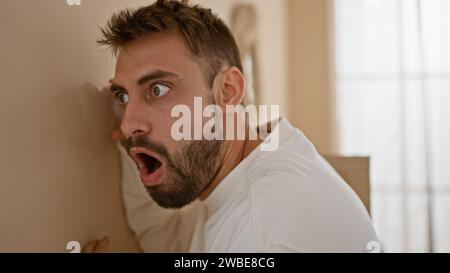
[169, 199]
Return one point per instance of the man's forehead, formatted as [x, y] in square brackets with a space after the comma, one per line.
[156, 52]
[154, 48]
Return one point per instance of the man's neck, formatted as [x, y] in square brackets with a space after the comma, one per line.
[234, 153]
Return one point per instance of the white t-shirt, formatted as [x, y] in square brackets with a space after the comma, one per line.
[288, 200]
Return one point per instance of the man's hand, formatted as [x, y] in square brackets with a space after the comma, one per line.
[97, 246]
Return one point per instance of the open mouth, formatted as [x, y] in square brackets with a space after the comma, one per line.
[150, 163]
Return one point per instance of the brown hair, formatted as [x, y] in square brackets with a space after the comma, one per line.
[207, 36]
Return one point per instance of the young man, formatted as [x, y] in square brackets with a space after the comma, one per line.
[215, 195]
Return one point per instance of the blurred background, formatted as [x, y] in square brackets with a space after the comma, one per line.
[364, 79]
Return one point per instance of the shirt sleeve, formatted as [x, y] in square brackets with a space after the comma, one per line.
[156, 229]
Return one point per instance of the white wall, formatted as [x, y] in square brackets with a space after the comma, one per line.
[59, 182]
[311, 89]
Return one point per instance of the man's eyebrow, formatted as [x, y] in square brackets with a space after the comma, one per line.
[115, 87]
[158, 74]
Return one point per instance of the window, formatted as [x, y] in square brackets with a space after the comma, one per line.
[393, 104]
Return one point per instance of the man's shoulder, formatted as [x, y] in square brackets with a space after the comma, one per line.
[295, 157]
[300, 200]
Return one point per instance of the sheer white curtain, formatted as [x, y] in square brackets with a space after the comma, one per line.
[393, 101]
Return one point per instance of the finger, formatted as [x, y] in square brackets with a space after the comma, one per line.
[103, 245]
[90, 247]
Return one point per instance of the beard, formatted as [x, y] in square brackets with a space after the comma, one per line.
[188, 172]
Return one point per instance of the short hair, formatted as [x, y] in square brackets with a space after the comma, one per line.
[206, 35]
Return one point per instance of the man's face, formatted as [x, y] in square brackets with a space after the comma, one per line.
[154, 74]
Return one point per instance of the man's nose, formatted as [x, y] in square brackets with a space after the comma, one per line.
[134, 122]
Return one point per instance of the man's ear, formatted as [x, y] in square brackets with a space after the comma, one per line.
[229, 87]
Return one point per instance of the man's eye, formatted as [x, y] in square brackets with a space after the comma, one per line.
[122, 97]
[159, 90]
